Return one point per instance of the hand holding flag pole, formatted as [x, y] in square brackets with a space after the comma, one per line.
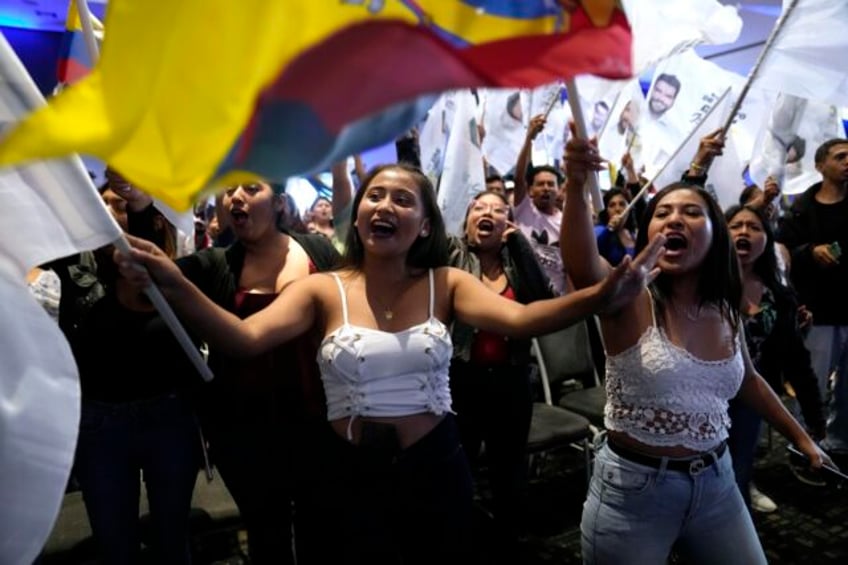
[674, 155]
[555, 97]
[580, 126]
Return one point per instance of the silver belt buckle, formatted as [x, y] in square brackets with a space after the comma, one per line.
[697, 466]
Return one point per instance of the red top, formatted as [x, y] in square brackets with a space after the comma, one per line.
[491, 348]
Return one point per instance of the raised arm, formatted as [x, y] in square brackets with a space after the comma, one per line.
[577, 241]
[291, 314]
[342, 188]
[476, 305]
[537, 124]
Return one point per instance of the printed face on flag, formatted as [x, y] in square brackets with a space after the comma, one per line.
[684, 89]
[663, 94]
[788, 140]
[618, 135]
[503, 121]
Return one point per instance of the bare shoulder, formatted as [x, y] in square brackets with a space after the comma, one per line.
[451, 276]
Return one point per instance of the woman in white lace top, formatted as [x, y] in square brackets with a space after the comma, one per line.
[675, 355]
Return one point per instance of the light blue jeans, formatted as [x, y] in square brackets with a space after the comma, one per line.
[635, 514]
[828, 347]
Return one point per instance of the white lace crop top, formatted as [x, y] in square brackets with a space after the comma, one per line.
[369, 372]
[662, 395]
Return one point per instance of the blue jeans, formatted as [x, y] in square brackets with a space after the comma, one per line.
[157, 437]
[742, 443]
[828, 347]
[634, 514]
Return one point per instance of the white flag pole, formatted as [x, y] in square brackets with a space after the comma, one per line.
[580, 124]
[781, 23]
[88, 30]
[674, 155]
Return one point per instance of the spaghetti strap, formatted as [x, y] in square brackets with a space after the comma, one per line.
[653, 309]
[431, 293]
[342, 293]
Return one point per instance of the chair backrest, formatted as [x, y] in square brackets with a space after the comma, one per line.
[567, 354]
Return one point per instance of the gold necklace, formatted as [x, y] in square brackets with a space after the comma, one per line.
[388, 312]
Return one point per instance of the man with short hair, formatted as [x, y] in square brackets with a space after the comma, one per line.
[663, 94]
[660, 131]
[816, 234]
[538, 216]
[495, 183]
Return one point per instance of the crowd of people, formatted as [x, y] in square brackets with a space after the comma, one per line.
[364, 358]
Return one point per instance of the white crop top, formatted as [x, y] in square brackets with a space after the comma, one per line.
[662, 395]
[369, 372]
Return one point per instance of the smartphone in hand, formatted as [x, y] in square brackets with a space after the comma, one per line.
[829, 468]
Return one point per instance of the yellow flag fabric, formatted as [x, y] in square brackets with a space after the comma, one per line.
[177, 81]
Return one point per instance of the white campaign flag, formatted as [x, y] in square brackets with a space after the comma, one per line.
[463, 175]
[664, 27]
[50, 210]
[619, 132]
[808, 58]
[549, 145]
[505, 122]
[432, 139]
[788, 140]
[683, 89]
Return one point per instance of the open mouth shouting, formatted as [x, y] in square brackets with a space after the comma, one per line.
[485, 227]
[381, 229]
[743, 245]
[675, 244]
[239, 217]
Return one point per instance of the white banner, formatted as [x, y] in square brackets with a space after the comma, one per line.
[463, 175]
[808, 58]
[50, 210]
[620, 130]
[664, 27]
[432, 139]
[684, 88]
[505, 121]
[788, 140]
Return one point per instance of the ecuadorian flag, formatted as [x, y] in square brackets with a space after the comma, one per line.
[189, 92]
[74, 59]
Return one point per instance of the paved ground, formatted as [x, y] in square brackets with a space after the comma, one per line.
[810, 526]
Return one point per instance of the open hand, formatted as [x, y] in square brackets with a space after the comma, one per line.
[626, 281]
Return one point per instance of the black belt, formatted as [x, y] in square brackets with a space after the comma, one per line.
[692, 465]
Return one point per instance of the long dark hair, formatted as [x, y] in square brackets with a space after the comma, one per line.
[719, 277]
[603, 215]
[426, 252]
[477, 197]
[765, 267]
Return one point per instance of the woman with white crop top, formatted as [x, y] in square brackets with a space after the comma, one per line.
[675, 356]
[398, 488]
